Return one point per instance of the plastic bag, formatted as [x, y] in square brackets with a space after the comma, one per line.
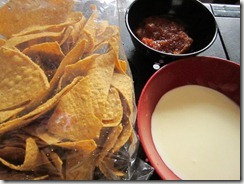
[67, 108]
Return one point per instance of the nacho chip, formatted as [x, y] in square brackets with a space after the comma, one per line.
[87, 146]
[79, 121]
[109, 171]
[100, 75]
[14, 139]
[52, 163]
[80, 68]
[20, 78]
[109, 143]
[6, 153]
[72, 35]
[72, 57]
[40, 131]
[36, 113]
[7, 114]
[123, 137]
[16, 15]
[16, 175]
[47, 55]
[89, 31]
[113, 109]
[73, 116]
[47, 164]
[72, 18]
[120, 65]
[35, 38]
[80, 166]
[101, 27]
[110, 31]
[32, 158]
[2, 42]
[124, 84]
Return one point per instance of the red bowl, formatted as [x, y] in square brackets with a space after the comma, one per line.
[216, 73]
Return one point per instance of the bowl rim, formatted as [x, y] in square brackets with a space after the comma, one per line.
[166, 53]
[147, 143]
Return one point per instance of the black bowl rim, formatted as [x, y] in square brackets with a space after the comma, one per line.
[170, 54]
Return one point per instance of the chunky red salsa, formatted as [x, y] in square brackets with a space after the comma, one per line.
[164, 34]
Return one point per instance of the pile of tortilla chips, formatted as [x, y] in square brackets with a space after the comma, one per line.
[66, 97]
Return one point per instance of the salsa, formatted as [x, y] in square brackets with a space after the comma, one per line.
[164, 34]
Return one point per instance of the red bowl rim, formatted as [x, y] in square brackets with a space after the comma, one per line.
[147, 143]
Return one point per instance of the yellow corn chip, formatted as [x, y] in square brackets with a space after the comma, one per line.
[123, 137]
[7, 114]
[87, 146]
[19, 14]
[113, 109]
[21, 78]
[124, 84]
[36, 113]
[80, 166]
[32, 158]
[35, 38]
[47, 55]
[109, 143]
[73, 117]
[72, 18]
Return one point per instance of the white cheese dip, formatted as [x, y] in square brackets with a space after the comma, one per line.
[196, 131]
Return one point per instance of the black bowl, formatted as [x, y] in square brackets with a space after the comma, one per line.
[200, 24]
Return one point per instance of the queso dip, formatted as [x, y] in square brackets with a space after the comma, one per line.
[196, 131]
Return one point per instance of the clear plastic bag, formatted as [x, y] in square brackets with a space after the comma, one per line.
[68, 109]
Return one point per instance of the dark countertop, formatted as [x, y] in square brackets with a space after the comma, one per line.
[226, 45]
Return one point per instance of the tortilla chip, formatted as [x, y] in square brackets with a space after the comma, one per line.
[72, 18]
[73, 116]
[49, 48]
[124, 84]
[87, 146]
[21, 78]
[100, 75]
[58, 163]
[47, 164]
[73, 35]
[34, 38]
[113, 109]
[7, 114]
[52, 163]
[123, 137]
[13, 139]
[80, 68]
[110, 31]
[6, 153]
[13, 175]
[101, 27]
[109, 143]
[47, 55]
[39, 130]
[109, 171]
[80, 166]
[32, 158]
[19, 14]
[36, 113]
[89, 31]
[2, 42]
[72, 57]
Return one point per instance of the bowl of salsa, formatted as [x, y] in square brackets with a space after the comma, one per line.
[170, 29]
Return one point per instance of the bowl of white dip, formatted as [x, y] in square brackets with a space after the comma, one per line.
[189, 119]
